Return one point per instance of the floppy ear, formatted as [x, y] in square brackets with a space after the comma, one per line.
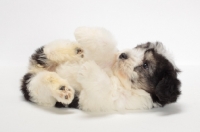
[167, 90]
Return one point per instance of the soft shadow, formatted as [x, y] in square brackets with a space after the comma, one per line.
[168, 110]
[59, 111]
[98, 114]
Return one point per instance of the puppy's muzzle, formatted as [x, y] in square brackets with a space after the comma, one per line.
[123, 56]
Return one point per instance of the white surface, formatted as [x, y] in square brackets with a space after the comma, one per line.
[19, 115]
[26, 25]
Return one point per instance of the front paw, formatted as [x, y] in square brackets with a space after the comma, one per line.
[82, 33]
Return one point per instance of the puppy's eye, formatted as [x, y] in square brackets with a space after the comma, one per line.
[79, 51]
[145, 65]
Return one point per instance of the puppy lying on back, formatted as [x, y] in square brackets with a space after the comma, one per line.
[103, 78]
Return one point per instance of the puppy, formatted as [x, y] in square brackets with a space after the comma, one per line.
[108, 80]
[143, 77]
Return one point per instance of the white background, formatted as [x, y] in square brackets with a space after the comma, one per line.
[28, 24]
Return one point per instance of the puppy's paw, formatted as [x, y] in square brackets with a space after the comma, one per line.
[64, 94]
[90, 34]
[82, 32]
[59, 87]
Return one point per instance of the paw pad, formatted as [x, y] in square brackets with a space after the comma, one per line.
[62, 88]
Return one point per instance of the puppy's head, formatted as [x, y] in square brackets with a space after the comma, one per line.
[149, 67]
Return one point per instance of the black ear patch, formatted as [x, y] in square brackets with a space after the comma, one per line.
[167, 90]
[166, 86]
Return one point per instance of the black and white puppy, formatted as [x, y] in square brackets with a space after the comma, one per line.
[140, 78]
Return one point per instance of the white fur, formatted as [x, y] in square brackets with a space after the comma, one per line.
[101, 88]
[98, 45]
[45, 83]
[44, 89]
[100, 79]
[106, 93]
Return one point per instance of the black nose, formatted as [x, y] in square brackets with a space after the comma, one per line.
[123, 56]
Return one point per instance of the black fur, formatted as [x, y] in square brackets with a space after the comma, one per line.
[167, 89]
[144, 46]
[158, 77]
[166, 85]
[73, 104]
[39, 56]
[59, 105]
[25, 82]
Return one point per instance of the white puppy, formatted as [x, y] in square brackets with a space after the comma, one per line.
[103, 78]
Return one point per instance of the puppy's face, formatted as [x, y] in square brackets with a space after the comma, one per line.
[149, 67]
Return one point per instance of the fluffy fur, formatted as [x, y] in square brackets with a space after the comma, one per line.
[99, 76]
[42, 85]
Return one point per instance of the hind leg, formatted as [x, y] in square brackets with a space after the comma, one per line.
[50, 56]
[46, 88]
